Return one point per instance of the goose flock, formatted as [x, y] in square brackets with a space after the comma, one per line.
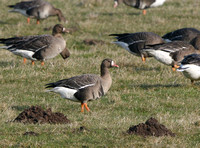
[179, 49]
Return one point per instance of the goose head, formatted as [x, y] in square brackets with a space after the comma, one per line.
[58, 29]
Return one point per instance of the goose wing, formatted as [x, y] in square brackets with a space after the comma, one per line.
[191, 59]
[29, 43]
[77, 82]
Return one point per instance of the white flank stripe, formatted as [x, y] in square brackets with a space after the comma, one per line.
[5, 47]
[24, 53]
[161, 56]
[65, 93]
[19, 11]
[123, 45]
[190, 71]
[86, 86]
[157, 3]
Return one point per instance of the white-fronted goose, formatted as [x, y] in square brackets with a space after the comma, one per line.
[38, 9]
[38, 47]
[190, 66]
[183, 34]
[196, 42]
[85, 87]
[171, 53]
[136, 42]
[140, 4]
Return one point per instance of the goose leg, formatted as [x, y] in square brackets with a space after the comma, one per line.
[42, 63]
[82, 107]
[174, 67]
[87, 108]
[143, 58]
[24, 60]
[38, 21]
[28, 20]
[144, 12]
[32, 62]
[192, 82]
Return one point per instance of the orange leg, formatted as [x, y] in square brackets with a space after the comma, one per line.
[143, 59]
[87, 108]
[42, 63]
[32, 62]
[176, 66]
[82, 107]
[24, 60]
[38, 22]
[174, 69]
[144, 12]
[28, 20]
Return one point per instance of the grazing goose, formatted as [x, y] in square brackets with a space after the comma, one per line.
[38, 9]
[85, 87]
[140, 4]
[171, 53]
[183, 34]
[136, 42]
[190, 66]
[196, 42]
[38, 47]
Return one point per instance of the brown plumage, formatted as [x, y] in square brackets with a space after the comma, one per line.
[136, 42]
[38, 47]
[85, 87]
[38, 9]
[171, 53]
[196, 42]
[140, 4]
[183, 34]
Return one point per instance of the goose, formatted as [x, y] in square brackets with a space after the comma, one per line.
[136, 42]
[86, 87]
[196, 42]
[190, 67]
[183, 34]
[38, 47]
[171, 53]
[140, 4]
[38, 9]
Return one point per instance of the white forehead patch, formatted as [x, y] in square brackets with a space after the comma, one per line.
[63, 29]
[112, 63]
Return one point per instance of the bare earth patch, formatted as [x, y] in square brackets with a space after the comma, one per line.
[150, 128]
[35, 114]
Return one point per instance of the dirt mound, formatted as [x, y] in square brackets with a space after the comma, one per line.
[150, 128]
[35, 114]
[93, 42]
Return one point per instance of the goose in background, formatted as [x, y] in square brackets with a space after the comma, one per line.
[190, 67]
[183, 34]
[196, 42]
[140, 4]
[85, 87]
[136, 42]
[171, 53]
[38, 9]
[38, 47]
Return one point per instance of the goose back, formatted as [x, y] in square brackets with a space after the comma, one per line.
[196, 42]
[142, 4]
[184, 34]
[135, 42]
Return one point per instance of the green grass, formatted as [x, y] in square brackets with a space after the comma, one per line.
[139, 91]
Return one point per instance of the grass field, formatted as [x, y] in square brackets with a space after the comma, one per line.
[139, 91]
